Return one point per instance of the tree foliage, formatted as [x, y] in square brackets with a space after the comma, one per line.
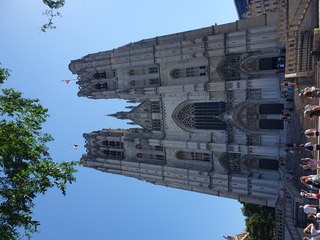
[260, 221]
[51, 13]
[26, 168]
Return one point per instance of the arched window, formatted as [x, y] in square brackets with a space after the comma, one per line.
[189, 72]
[229, 68]
[105, 74]
[101, 86]
[113, 154]
[141, 71]
[194, 156]
[231, 161]
[203, 115]
[156, 124]
[99, 75]
[155, 107]
[150, 156]
[112, 144]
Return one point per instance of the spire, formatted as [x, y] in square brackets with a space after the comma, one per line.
[120, 115]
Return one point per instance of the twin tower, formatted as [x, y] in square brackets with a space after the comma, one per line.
[207, 108]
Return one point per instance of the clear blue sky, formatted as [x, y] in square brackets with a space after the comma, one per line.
[101, 205]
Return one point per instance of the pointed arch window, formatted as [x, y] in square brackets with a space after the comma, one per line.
[156, 124]
[142, 71]
[150, 156]
[105, 74]
[112, 144]
[231, 161]
[101, 86]
[229, 68]
[203, 115]
[113, 154]
[189, 72]
[155, 107]
[194, 156]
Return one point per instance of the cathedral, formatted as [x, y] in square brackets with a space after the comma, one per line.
[206, 110]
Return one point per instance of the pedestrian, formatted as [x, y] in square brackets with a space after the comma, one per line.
[314, 217]
[308, 208]
[309, 195]
[310, 92]
[311, 133]
[312, 111]
[311, 229]
[309, 163]
[311, 146]
[312, 182]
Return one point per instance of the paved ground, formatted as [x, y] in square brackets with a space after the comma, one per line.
[299, 123]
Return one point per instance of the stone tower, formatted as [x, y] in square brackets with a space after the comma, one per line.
[208, 104]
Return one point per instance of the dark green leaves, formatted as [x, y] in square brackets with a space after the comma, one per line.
[51, 13]
[260, 221]
[26, 168]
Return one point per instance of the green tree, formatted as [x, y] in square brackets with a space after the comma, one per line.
[51, 13]
[260, 221]
[26, 168]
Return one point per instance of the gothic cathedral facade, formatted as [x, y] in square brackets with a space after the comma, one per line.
[208, 107]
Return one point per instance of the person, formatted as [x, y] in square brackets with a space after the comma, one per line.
[309, 163]
[310, 208]
[311, 132]
[311, 146]
[312, 182]
[311, 111]
[310, 92]
[311, 229]
[312, 216]
[308, 167]
[309, 195]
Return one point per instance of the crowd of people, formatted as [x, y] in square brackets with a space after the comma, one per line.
[310, 182]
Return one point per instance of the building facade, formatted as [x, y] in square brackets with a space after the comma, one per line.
[253, 8]
[208, 107]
